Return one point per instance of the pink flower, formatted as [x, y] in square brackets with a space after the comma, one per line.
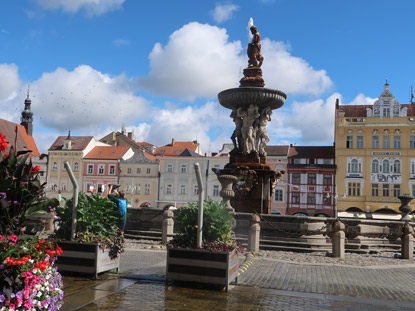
[12, 306]
[27, 304]
[13, 238]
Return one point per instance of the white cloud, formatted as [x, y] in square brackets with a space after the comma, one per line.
[209, 124]
[121, 42]
[198, 61]
[92, 7]
[291, 74]
[361, 99]
[81, 100]
[310, 122]
[9, 80]
[223, 12]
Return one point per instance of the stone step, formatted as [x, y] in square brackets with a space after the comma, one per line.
[140, 237]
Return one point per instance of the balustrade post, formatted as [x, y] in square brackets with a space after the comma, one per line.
[167, 227]
[407, 242]
[338, 239]
[254, 233]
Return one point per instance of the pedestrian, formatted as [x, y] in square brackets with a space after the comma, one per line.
[118, 198]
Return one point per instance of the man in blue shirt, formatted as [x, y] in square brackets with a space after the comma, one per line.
[118, 198]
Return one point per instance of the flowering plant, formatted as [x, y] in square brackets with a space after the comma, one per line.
[28, 278]
[21, 194]
[217, 228]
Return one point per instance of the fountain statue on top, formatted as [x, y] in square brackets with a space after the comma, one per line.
[247, 180]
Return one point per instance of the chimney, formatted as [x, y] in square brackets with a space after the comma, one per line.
[172, 141]
[195, 142]
[130, 135]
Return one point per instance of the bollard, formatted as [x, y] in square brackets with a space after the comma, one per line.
[167, 227]
[407, 242]
[338, 239]
[253, 234]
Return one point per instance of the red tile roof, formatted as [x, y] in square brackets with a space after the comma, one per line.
[24, 141]
[281, 150]
[107, 152]
[176, 148]
[78, 142]
[311, 152]
[149, 156]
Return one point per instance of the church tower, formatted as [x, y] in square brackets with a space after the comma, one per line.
[27, 116]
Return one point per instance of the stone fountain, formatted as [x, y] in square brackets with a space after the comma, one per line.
[247, 180]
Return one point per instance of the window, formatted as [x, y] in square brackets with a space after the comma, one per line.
[375, 142]
[311, 198]
[385, 190]
[297, 161]
[412, 167]
[296, 179]
[326, 179]
[55, 166]
[396, 190]
[326, 199]
[397, 167]
[412, 142]
[375, 190]
[349, 142]
[354, 189]
[215, 190]
[100, 188]
[182, 189]
[354, 166]
[169, 189]
[359, 142]
[169, 168]
[375, 166]
[183, 168]
[138, 170]
[311, 179]
[278, 195]
[386, 112]
[385, 142]
[112, 169]
[76, 167]
[296, 197]
[129, 170]
[397, 142]
[90, 168]
[101, 169]
[63, 186]
[413, 190]
[148, 170]
[311, 161]
[147, 189]
[196, 189]
[385, 166]
[137, 188]
[217, 166]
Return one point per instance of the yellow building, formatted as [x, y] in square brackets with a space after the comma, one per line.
[375, 154]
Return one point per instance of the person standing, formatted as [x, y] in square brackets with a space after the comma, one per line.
[118, 198]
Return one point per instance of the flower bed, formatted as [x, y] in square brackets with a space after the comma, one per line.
[29, 279]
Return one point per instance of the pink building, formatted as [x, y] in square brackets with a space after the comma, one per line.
[102, 167]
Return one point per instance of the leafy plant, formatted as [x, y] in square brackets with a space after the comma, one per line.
[97, 219]
[21, 194]
[217, 228]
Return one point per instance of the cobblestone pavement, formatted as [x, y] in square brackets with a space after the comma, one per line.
[271, 282]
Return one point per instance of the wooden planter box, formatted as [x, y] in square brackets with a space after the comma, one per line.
[202, 266]
[87, 258]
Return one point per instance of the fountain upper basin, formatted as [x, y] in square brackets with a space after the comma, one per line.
[245, 96]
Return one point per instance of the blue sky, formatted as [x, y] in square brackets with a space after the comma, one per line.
[157, 66]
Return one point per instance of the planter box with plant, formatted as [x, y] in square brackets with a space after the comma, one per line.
[98, 241]
[216, 262]
[29, 279]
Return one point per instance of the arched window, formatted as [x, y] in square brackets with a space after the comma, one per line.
[355, 166]
[375, 166]
[385, 166]
[75, 167]
[397, 167]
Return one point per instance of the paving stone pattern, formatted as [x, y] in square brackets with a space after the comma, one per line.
[379, 282]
